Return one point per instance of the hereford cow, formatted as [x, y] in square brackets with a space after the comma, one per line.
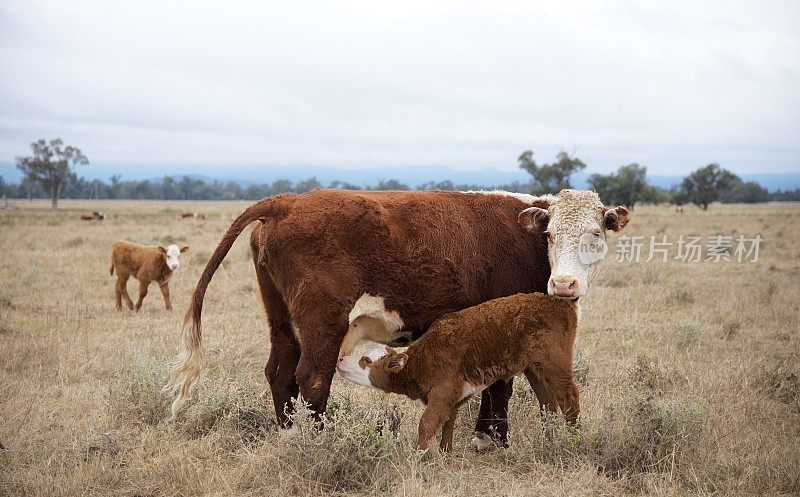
[464, 352]
[327, 258]
[147, 264]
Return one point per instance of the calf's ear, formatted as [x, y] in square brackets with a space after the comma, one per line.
[397, 362]
[364, 362]
[184, 248]
[615, 219]
[162, 250]
[534, 218]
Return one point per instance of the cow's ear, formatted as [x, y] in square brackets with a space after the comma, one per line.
[184, 248]
[396, 362]
[615, 219]
[162, 250]
[364, 362]
[534, 218]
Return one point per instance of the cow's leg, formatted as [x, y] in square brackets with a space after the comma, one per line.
[122, 288]
[492, 424]
[322, 327]
[165, 292]
[142, 293]
[284, 348]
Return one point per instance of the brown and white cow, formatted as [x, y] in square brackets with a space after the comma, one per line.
[328, 258]
[528, 333]
[146, 263]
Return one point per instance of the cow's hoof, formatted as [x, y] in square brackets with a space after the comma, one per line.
[288, 433]
[483, 443]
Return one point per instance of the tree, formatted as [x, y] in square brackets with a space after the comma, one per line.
[746, 193]
[390, 184]
[655, 195]
[343, 185]
[550, 178]
[49, 166]
[307, 185]
[631, 184]
[604, 186]
[626, 187]
[704, 185]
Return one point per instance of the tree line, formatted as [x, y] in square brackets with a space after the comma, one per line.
[628, 185]
[50, 173]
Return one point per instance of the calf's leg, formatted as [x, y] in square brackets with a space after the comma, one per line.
[548, 402]
[568, 398]
[165, 292]
[142, 293]
[118, 292]
[122, 290]
[446, 444]
[556, 390]
[439, 410]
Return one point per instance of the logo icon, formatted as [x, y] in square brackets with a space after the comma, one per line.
[591, 248]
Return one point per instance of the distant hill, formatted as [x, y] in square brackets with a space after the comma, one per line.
[412, 176]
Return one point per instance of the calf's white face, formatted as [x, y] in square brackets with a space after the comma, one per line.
[575, 224]
[352, 368]
[172, 255]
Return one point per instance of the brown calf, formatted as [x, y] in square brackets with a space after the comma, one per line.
[146, 264]
[95, 216]
[195, 215]
[464, 352]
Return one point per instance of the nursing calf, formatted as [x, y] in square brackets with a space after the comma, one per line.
[145, 263]
[464, 352]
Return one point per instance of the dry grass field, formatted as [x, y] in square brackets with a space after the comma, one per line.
[689, 375]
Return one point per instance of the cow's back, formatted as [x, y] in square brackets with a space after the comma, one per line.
[425, 253]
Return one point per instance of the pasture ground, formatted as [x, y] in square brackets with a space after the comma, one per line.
[689, 375]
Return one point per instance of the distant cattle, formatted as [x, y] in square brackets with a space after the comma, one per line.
[194, 215]
[329, 259]
[146, 263]
[464, 352]
[94, 216]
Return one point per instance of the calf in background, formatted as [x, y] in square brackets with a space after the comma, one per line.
[146, 263]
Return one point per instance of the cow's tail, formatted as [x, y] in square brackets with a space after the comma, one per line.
[191, 354]
[111, 269]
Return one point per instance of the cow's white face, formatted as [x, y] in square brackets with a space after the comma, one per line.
[172, 255]
[352, 368]
[575, 224]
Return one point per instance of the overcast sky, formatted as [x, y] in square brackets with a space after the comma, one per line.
[671, 85]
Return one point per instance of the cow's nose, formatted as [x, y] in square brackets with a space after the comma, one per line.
[565, 286]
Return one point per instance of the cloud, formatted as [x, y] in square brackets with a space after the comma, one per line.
[463, 84]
